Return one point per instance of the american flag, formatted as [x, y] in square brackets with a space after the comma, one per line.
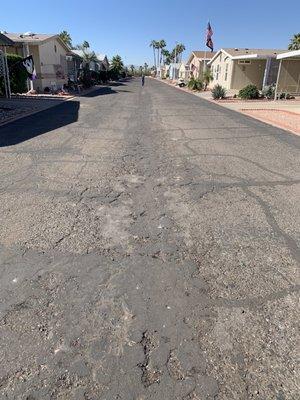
[209, 33]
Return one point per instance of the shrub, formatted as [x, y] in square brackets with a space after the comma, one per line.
[269, 92]
[195, 84]
[218, 92]
[249, 92]
[17, 75]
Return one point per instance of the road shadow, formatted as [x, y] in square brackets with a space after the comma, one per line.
[100, 92]
[37, 124]
[118, 83]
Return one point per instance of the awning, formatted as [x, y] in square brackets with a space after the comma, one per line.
[289, 54]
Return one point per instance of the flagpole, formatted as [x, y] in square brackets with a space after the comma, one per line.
[204, 69]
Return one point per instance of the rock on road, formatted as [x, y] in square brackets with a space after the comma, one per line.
[149, 249]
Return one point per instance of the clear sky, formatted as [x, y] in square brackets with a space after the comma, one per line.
[127, 27]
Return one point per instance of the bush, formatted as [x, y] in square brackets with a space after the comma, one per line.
[17, 75]
[195, 84]
[249, 92]
[85, 78]
[218, 92]
[269, 92]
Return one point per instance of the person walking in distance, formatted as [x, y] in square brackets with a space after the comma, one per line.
[143, 80]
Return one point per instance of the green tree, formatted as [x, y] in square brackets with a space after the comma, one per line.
[66, 38]
[86, 44]
[295, 42]
[154, 44]
[89, 56]
[179, 49]
[132, 69]
[17, 74]
[83, 46]
[207, 77]
[160, 46]
[166, 56]
[116, 67]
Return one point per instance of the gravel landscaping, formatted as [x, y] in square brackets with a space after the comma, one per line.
[11, 109]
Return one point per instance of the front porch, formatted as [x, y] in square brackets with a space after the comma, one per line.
[288, 80]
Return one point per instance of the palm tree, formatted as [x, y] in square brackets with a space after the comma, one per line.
[153, 44]
[295, 42]
[180, 48]
[165, 55]
[117, 64]
[89, 56]
[66, 38]
[161, 45]
[86, 45]
[132, 69]
[83, 46]
[207, 77]
[146, 66]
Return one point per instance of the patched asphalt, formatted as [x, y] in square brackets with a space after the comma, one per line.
[149, 249]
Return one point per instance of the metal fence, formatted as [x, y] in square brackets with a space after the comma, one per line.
[4, 74]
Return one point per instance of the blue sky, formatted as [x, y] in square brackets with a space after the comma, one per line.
[127, 27]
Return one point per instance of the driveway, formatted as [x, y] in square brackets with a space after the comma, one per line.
[149, 249]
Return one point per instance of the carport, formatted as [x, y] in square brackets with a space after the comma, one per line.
[288, 79]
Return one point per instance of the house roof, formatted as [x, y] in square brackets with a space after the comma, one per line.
[101, 57]
[202, 55]
[289, 54]
[79, 53]
[240, 53]
[235, 52]
[5, 41]
[33, 38]
[74, 54]
[29, 37]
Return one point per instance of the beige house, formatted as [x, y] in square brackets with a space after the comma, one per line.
[49, 54]
[100, 64]
[197, 62]
[237, 68]
[288, 79]
[184, 71]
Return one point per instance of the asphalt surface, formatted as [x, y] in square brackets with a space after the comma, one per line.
[149, 249]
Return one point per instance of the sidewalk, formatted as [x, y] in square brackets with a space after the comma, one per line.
[284, 114]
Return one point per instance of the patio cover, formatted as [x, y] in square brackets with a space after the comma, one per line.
[293, 55]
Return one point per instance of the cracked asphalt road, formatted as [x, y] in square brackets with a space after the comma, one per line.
[149, 249]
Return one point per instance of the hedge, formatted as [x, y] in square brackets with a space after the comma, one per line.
[17, 75]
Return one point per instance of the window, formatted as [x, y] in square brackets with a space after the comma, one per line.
[244, 62]
[55, 48]
[226, 72]
[218, 71]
